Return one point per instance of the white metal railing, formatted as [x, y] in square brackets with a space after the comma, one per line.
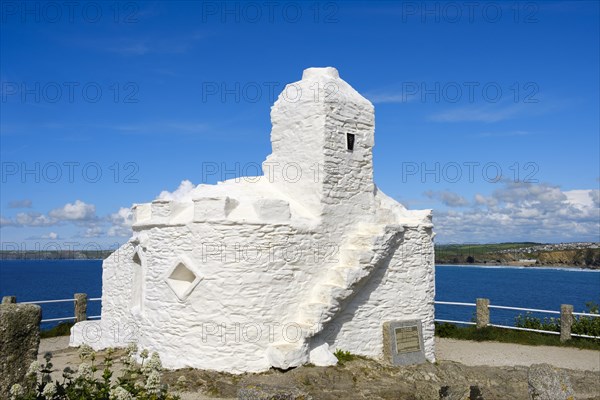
[450, 303]
[61, 301]
[525, 309]
[490, 306]
[453, 303]
[454, 322]
[47, 301]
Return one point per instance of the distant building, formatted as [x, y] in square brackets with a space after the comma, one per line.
[280, 270]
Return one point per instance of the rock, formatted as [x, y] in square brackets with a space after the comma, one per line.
[321, 356]
[453, 393]
[548, 383]
[263, 392]
[475, 393]
[19, 342]
[426, 390]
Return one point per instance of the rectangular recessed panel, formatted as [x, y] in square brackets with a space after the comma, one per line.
[407, 339]
[350, 141]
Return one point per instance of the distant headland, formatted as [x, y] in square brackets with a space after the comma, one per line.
[530, 254]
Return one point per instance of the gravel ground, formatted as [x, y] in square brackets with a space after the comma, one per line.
[496, 354]
[500, 369]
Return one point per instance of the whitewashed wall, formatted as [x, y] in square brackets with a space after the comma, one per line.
[246, 275]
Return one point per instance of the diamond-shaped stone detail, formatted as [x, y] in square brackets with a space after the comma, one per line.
[182, 278]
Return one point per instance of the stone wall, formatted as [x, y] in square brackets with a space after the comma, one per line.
[401, 289]
[19, 342]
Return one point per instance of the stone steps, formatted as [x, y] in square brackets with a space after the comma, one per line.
[325, 299]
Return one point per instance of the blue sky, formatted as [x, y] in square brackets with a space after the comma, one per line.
[487, 113]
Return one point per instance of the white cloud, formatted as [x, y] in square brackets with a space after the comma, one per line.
[448, 198]
[78, 211]
[51, 236]
[32, 219]
[93, 232]
[24, 203]
[182, 193]
[83, 215]
[523, 212]
[71, 212]
[391, 97]
[120, 223]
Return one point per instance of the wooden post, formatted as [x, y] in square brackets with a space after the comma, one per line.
[482, 313]
[566, 321]
[80, 307]
[9, 299]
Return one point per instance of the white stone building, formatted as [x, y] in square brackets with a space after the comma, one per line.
[277, 270]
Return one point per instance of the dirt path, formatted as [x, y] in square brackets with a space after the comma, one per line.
[496, 354]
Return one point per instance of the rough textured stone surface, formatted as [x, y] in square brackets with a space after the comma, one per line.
[454, 393]
[80, 307]
[482, 312]
[321, 356]
[366, 379]
[263, 392]
[19, 342]
[310, 252]
[549, 383]
[9, 299]
[566, 321]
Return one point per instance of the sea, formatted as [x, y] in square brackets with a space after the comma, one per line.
[524, 287]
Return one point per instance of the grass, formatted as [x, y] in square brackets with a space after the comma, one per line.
[62, 329]
[343, 356]
[483, 248]
[494, 334]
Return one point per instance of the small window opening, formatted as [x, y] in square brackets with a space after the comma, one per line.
[350, 141]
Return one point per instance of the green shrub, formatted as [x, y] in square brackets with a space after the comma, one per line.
[587, 325]
[343, 356]
[582, 325]
[494, 334]
[445, 329]
[137, 381]
[62, 329]
[530, 322]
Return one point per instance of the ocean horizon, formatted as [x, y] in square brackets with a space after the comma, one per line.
[527, 287]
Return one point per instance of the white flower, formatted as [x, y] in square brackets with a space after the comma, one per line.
[34, 368]
[49, 390]
[85, 351]
[16, 390]
[120, 393]
[132, 348]
[153, 382]
[153, 364]
[85, 371]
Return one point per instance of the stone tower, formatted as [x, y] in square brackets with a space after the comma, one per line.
[322, 138]
[232, 276]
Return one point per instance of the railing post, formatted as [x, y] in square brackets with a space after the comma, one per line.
[482, 313]
[566, 321]
[80, 307]
[9, 299]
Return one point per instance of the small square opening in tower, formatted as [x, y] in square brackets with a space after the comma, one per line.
[350, 141]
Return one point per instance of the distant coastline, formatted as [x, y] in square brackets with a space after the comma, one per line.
[55, 254]
[530, 266]
[585, 255]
